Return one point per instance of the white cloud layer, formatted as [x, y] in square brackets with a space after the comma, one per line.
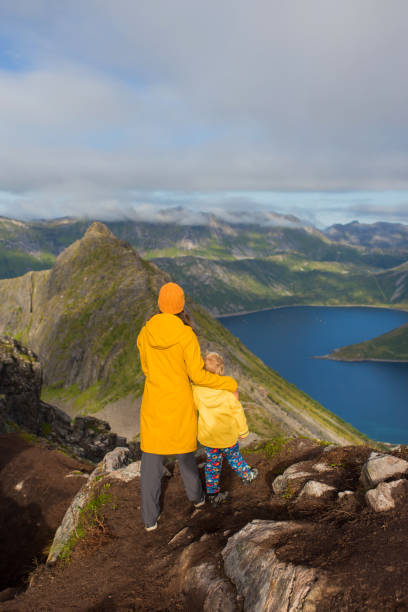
[102, 98]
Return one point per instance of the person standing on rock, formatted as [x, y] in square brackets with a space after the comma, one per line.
[171, 360]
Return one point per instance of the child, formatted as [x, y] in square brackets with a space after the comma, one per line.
[221, 421]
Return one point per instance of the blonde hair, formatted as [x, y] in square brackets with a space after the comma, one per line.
[214, 363]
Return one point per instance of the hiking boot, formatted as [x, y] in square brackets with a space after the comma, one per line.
[251, 476]
[218, 498]
[200, 503]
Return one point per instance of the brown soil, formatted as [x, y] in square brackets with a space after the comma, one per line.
[122, 567]
[34, 495]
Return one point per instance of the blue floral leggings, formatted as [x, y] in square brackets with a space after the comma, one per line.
[214, 464]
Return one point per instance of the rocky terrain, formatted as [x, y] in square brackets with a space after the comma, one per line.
[83, 316]
[322, 529]
[21, 409]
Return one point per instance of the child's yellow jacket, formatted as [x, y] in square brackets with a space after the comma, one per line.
[221, 418]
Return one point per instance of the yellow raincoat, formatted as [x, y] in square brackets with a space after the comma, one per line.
[221, 418]
[170, 358]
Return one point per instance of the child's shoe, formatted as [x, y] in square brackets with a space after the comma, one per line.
[218, 498]
[251, 476]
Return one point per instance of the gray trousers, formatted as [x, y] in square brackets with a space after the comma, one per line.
[152, 471]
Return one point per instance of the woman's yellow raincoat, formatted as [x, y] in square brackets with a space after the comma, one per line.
[170, 358]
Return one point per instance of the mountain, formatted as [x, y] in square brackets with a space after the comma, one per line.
[381, 235]
[392, 346]
[228, 267]
[393, 284]
[83, 316]
[226, 286]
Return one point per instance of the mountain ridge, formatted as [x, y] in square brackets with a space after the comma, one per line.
[264, 266]
[83, 316]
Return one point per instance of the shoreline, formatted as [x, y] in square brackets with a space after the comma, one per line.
[245, 312]
[332, 358]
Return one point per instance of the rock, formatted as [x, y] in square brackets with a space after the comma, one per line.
[292, 479]
[115, 459]
[21, 407]
[71, 517]
[20, 385]
[322, 467]
[203, 587]
[180, 537]
[296, 451]
[127, 473]
[381, 498]
[343, 495]
[316, 489]
[266, 583]
[381, 467]
[347, 501]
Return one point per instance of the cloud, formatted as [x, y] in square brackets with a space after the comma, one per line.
[100, 99]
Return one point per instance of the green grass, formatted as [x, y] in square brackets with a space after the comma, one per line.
[90, 519]
[390, 346]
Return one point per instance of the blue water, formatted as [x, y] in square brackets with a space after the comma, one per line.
[372, 396]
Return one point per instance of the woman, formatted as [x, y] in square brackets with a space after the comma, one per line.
[171, 359]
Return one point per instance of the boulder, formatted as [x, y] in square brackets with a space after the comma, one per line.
[115, 459]
[266, 583]
[292, 479]
[70, 521]
[127, 473]
[382, 467]
[316, 489]
[205, 590]
[382, 498]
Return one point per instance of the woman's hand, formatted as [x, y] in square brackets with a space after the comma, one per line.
[236, 394]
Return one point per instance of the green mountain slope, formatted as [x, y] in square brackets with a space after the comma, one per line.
[249, 284]
[83, 316]
[230, 267]
[392, 346]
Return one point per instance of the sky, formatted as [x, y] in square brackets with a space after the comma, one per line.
[114, 108]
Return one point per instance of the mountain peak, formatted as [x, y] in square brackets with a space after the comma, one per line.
[98, 229]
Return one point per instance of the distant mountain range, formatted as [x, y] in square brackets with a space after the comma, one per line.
[238, 266]
[82, 318]
[384, 236]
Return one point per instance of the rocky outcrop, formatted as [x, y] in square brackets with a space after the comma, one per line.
[21, 407]
[386, 494]
[265, 583]
[380, 467]
[116, 463]
[20, 385]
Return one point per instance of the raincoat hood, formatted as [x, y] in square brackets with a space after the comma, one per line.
[164, 330]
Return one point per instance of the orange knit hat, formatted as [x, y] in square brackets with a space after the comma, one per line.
[171, 298]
